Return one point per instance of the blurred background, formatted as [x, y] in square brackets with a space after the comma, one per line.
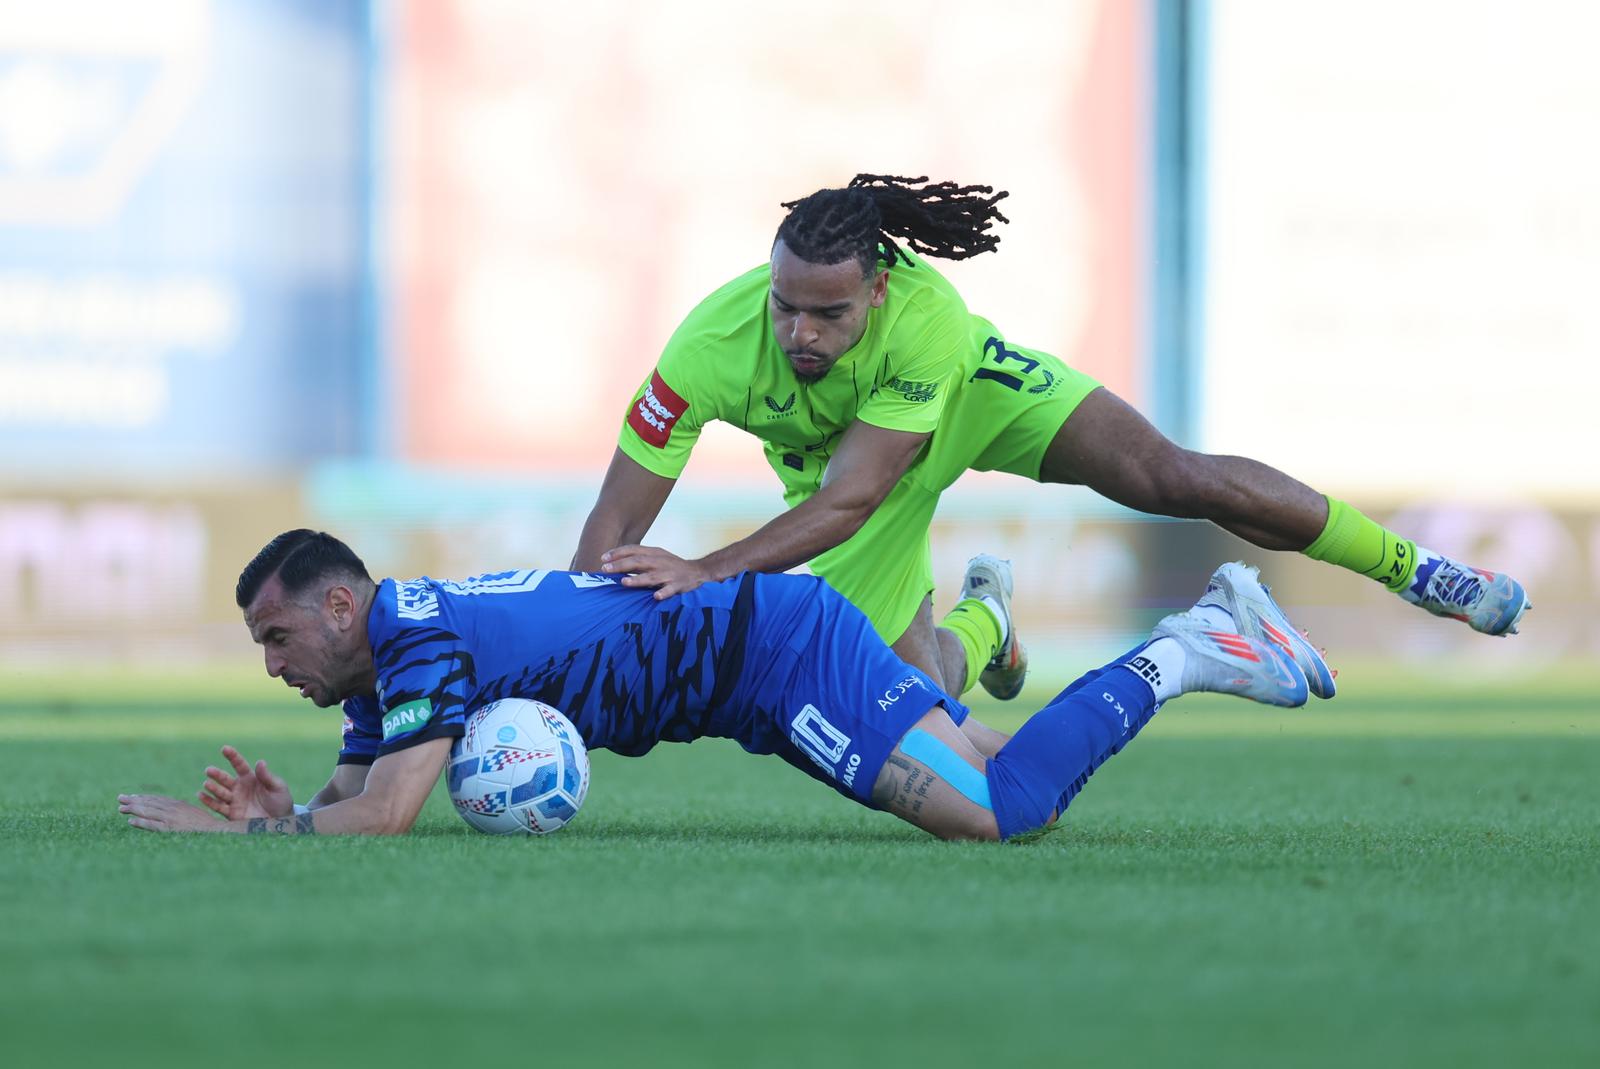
[393, 269]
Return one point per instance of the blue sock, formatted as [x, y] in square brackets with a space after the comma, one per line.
[1083, 681]
[1052, 756]
[1094, 674]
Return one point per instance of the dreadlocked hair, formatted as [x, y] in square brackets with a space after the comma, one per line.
[936, 219]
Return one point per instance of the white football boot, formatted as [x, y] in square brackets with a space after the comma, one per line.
[990, 577]
[1237, 589]
[1226, 662]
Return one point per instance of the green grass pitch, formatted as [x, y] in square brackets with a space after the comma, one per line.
[1406, 876]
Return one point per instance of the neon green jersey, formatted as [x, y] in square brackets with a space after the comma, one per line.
[723, 363]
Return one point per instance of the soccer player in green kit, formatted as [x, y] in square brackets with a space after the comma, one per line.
[872, 388]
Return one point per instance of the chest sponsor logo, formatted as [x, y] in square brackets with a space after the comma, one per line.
[916, 392]
[404, 719]
[656, 411]
[780, 411]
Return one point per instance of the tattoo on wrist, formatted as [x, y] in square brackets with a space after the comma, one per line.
[298, 824]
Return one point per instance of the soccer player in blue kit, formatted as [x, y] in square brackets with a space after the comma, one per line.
[780, 663]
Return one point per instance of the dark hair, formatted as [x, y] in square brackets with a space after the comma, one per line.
[938, 219]
[299, 558]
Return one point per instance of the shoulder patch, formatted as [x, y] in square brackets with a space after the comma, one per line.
[917, 392]
[406, 719]
[656, 411]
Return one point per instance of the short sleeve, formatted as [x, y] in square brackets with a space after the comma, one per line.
[663, 421]
[362, 730]
[926, 369]
[424, 679]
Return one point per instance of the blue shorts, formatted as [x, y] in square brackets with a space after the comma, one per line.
[821, 690]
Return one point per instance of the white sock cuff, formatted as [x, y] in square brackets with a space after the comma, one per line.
[1160, 664]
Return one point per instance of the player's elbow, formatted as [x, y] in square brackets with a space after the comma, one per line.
[851, 506]
[382, 815]
[967, 826]
[391, 827]
[396, 820]
[853, 517]
[1176, 482]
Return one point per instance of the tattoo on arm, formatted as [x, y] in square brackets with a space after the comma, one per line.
[889, 780]
[298, 824]
[902, 786]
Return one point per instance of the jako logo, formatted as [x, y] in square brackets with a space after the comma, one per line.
[1107, 696]
[850, 769]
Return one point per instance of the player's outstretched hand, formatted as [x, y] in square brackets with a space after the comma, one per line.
[153, 812]
[648, 566]
[250, 792]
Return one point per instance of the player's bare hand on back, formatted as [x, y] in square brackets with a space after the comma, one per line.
[249, 792]
[648, 566]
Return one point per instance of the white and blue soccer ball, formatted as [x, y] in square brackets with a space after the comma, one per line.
[521, 768]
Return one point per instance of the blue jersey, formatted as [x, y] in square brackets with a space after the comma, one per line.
[780, 663]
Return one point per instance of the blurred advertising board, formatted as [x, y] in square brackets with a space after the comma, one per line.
[181, 236]
[1402, 246]
[568, 181]
[147, 578]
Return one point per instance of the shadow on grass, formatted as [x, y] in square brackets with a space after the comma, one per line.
[721, 832]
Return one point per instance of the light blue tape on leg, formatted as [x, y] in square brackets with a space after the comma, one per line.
[943, 762]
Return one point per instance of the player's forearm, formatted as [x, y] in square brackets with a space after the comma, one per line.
[630, 498]
[603, 531]
[329, 795]
[826, 519]
[353, 816]
[348, 781]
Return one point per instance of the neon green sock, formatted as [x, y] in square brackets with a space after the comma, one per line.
[976, 625]
[1352, 541]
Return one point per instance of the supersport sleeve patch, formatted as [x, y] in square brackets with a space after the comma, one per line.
[656, 411]
[661, 429]
[702, 369]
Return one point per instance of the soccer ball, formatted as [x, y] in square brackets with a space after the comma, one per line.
[520, 769]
